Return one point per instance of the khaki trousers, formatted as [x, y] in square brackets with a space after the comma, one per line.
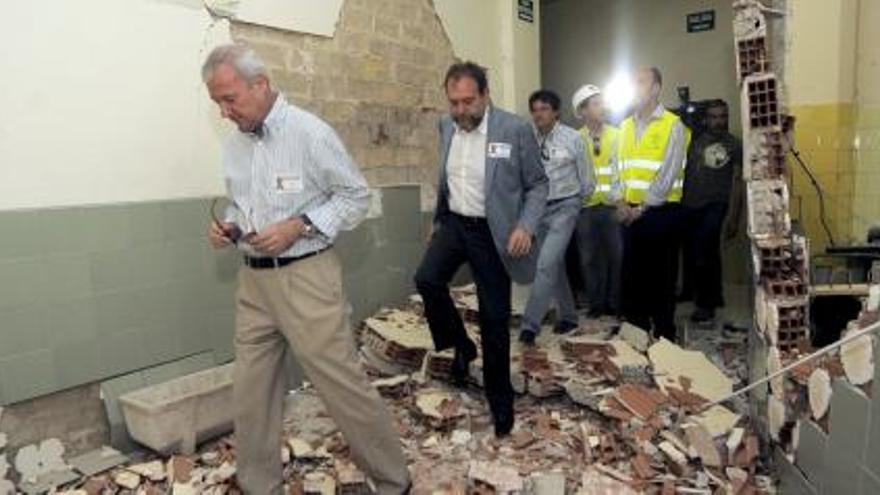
[301, 307]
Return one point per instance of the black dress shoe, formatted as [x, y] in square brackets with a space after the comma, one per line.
[527, 337]
[461, 363]
[564, 327]
[503, 424]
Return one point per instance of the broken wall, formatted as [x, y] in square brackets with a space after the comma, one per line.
[818, 417]
[377, 81]
[92, 287]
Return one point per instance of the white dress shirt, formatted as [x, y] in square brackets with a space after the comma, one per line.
[466, 170]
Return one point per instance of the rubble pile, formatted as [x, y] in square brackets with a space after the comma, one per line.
[596, 414]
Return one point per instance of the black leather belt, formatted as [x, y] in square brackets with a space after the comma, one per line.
[470, 221]
[265, 263]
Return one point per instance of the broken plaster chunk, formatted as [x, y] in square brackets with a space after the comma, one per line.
[501, 478]
[221, 474]
[593, 482]
[873, 301]
[701, 441]
[671, 363]
[626, 356]
[734, 440]
[300, 448]
[552, 483]
[127, 480]
[775, 416]
[774, 364]
[439, 406]
[153, 470]
[673, 453]
[460, 437]
[857, 357]
[319, 483]
[718, 420]
[819, 392]
[637, 338]
[34, 461]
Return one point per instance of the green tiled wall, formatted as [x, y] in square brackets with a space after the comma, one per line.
[89, 293]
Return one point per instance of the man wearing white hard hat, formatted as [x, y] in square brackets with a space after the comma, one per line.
[598, 230]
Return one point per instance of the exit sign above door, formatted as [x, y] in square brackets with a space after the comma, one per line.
[701, 21]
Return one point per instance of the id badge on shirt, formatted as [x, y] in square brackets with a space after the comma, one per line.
[499, 150]
[288, 184]
[559, 154]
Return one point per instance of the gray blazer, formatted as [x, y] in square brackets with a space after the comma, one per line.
[516, 187]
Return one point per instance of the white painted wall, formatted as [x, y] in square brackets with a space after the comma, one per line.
[489, 33]
[103, 103]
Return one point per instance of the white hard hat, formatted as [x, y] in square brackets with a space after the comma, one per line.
[583, 94]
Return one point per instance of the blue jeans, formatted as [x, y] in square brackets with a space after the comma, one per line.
[551, 281]
[601, 247]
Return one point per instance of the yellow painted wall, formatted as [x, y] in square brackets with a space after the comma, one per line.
[833, 89]
[489, 33]
[866, 197]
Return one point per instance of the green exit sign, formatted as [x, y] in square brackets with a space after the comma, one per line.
[701, 21]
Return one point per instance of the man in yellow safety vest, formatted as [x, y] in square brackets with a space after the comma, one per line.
[598, 230]
[651, 158]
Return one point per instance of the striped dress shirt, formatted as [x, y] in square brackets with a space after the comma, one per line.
[296, 165]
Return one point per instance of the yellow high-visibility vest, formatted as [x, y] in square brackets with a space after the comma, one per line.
[602, 170]
[639, 162]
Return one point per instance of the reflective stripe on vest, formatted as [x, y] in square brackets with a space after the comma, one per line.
[641, 161]
[602, 170]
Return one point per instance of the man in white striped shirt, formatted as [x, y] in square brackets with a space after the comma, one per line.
[294, 188]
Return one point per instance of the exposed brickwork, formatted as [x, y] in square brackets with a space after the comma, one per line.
[378, 81]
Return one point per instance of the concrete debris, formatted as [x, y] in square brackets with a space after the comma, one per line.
[594, 416]
[394, 387]
[98, 461]
[495, 477]
[153, 470]
[635, 337]
[398, 336]
[675, 367]
[593, 482]
[440, 408]
[3, 440]
[319, 483]
[127, 480]
[547, 484]
[702, 442]
[718, 420]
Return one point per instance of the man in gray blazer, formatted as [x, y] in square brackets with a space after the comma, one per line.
[490, 199]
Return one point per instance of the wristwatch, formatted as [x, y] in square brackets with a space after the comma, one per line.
[310, 229]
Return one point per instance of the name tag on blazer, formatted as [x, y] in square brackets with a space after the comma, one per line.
[499, 150]
[288, 184]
